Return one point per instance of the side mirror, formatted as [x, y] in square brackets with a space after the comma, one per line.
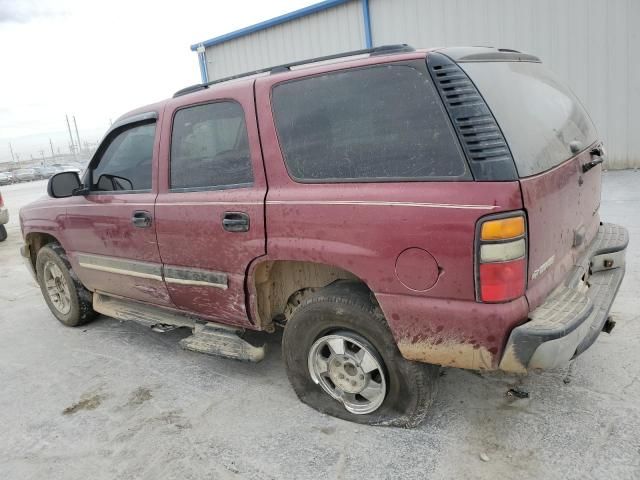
[63, 184]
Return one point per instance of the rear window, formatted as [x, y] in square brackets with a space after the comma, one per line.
[380, 123]
[538, 114]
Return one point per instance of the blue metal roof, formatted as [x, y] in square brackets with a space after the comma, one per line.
[303, 12]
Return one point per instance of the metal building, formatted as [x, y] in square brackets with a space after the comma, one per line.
[593, 44]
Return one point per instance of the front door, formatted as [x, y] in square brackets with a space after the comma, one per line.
[111, 239]
[210, 208]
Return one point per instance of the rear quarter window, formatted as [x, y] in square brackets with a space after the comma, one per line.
[538, 114]
[380, 123]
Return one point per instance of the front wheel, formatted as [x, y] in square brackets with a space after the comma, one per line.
[69, 301]
[3, 233]
[342, 360]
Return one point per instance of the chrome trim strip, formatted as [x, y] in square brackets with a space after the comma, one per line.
[121, 266]
[195, 277]
[154, 271]
[381, 204]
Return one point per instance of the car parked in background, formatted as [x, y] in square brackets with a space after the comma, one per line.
[6, 178]
[59, 167]
[25, 175]
[4, 219]
[393, 213]
[44, 172]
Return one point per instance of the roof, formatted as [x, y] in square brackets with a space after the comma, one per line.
[287, 17]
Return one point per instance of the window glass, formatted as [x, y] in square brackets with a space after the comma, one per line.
[379, 123]
[210, 147]
[126, 163]
[538, 114]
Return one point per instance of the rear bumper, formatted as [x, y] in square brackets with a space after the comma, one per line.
[4, 215]
[573, 316]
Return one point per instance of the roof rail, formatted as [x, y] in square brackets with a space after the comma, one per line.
[382, 50]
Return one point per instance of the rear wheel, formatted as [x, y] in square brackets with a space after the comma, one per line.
[67, 298]
[3, 233]
[342, 360]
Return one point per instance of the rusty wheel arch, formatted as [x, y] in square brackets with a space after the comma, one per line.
[278, 286]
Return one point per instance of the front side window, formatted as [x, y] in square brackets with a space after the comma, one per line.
[381, 123]
[126, 164]
[210, 147]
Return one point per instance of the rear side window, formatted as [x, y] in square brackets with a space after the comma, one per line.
[210, 147]
[538, 114]
[375, 124]
[126, 164]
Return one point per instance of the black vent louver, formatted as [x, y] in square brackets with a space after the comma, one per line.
[484, 145]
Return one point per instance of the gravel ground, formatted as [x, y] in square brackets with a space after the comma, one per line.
[116, 400]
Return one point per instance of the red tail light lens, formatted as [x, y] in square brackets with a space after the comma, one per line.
[502, 281]
[501, 258]
[1, 201]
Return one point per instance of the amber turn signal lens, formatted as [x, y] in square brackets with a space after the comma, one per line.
[502, 229]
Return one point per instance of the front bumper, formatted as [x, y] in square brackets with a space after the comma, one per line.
[4, 215]
[573, 316]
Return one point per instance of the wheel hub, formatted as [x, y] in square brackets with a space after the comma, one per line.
[57, 288]
[346, 375]
[350, 370]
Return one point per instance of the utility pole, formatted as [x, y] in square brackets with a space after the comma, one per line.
[13, 158]
[52, 153]
[71, 145]
[42, 155]
[77, 135]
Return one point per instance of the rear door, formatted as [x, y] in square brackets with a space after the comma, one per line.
[210, 210]
[553, 142]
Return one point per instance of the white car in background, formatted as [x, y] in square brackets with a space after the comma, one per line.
[6, 178]
[25, 174]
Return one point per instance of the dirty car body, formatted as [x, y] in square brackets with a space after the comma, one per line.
[432, 178]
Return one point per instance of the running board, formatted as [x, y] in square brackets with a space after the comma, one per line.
[209, 338]
[212, 340]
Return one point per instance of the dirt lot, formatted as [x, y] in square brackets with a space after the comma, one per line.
[116, 400]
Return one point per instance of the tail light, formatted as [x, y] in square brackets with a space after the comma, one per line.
[501, 257]
[1, 201]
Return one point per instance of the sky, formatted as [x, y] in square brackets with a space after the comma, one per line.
[96, 60]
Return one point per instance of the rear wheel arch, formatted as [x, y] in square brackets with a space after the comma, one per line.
[281, 285]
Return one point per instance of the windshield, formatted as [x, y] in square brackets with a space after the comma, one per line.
[538, 114]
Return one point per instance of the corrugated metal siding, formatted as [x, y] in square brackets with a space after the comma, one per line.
[335, 30]
[593, 44]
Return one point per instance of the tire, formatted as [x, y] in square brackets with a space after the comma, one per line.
[69, 301]
[345, 310]
[3, 233]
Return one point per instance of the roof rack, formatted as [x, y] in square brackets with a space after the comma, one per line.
[382, 50]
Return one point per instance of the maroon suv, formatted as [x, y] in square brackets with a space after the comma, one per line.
[391, 209]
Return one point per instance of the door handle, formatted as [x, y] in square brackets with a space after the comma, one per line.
[141, 219]
[235, 222]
